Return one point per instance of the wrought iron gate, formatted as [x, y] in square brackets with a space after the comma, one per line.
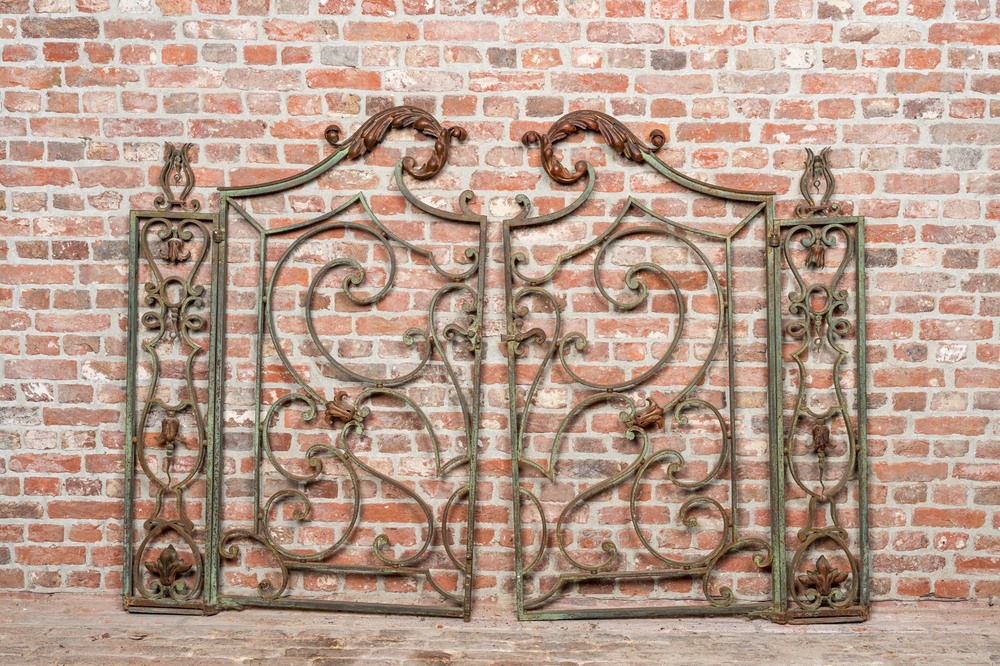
[680, 279]
[297, 443]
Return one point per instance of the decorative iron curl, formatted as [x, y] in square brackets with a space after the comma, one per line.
[176, 172]
[615, 134]
[169, 570]
[372, 132]
[817, 179]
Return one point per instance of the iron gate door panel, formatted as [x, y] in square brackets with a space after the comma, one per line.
[169, 423]
[824, 429]
[635, 359]
[351, 422]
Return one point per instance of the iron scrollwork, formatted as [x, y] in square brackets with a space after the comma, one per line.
[179, 546]
[343, 398]
[168, 442]
[556, 351]
[825, 449]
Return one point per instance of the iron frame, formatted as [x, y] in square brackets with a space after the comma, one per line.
[207, 596]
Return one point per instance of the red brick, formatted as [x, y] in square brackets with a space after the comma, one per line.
[81, 27]
[960, 233]
[607, 83]
[678, 84]
[109, 176]
[948, 517]
[792, 33]
[80, 416]
[33, 78]
[47, 462]
[541, 32]
[955, 330]
[461, 31]
[625, 33]
[40, 369]
[951, 425]
[61, 51]
[263, 79]
[971, 33]
[819, 84]
[918, 83]
[343, 78]
[142, 29]
[910, 471]
[142, 127]
[392, 31]
[506, 81]
[707, 35]
[186, 77]
[809, 134]
[85, 509]
[49, 555]
[668, 9]
[922, 184]
[709, 132]
[749, 10]
[282, 30]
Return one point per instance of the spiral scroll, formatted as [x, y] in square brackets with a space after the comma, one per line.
[604, 557]
[372, 132]
[330, 428]
[620, 138]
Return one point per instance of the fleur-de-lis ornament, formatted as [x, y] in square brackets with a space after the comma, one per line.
[174, 249]
[177, 172]
[168, 567]
[817, 180]
[650, 417]
[339, 409]
[823, 579]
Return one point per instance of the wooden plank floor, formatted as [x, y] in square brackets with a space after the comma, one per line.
[81, 630]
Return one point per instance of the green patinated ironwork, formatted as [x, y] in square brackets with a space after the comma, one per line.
[177, 245]
[175, 562]
[199, 585]
[636, 423]
[823, 316]
[843, 595]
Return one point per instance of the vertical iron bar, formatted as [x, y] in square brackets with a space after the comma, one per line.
[473, 443]
[257, 389]
[130, 401]
[515, 444]
[216, 401]
[731, 397]
[862, 407]
[775, 395]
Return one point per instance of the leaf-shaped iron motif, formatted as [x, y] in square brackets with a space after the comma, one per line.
[620, 138]
[817, 180]
[372, 132]
[169, 431]
[340, 409]
[824, 578]
[177, 173]
[651, 416]
[168, 567]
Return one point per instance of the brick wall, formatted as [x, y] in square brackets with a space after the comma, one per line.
[904, 91]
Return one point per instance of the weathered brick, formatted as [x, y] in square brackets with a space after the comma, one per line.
[81, 27]
[971, 33]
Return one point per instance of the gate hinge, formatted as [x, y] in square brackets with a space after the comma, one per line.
[774, 240]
